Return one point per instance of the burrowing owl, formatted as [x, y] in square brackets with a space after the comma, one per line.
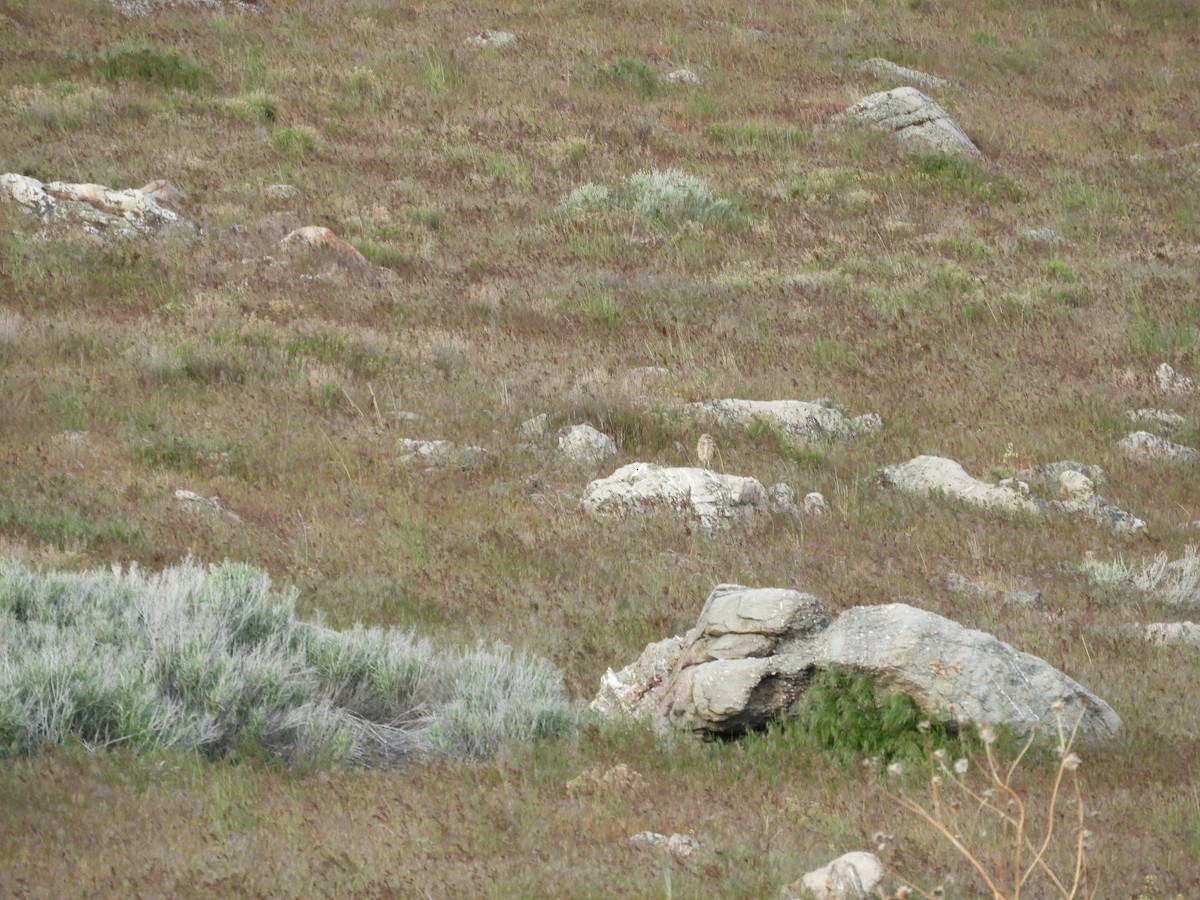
[706, 447]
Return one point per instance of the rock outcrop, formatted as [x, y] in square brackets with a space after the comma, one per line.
[753, 653]
[94, 208]
[914, 118]
[938, 476]
[802, 421]
[1142, 446]
[715, 500]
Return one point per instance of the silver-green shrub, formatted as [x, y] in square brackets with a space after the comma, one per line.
[668, 196]
[214, 659]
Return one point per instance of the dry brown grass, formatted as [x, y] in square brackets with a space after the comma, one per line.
[895, 285]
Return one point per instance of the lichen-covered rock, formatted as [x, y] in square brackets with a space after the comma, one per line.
[914, 118]
[94, 208]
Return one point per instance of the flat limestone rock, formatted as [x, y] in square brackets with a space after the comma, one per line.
[802, 420]
[938, 476]
[1142, 446]
[714, 499]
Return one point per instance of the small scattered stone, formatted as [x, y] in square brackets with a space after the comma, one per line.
[489, 38]
[1045, 237]
[442, 454]
[683, 76]
[618, 779]
[1161, 418]
[1173, 634]
[882, 68]
[533, 430]
[1168, 381]
[586, 445]
[816, 505]
[681, 846]
[282, 191]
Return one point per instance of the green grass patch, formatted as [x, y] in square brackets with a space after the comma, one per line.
[634, 74]
[157, 68]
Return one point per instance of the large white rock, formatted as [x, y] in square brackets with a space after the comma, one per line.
[801, 420]
[716, 500]
[914, 118]
[851, 876]
[94, 208]
[949, 670]
[753, 653]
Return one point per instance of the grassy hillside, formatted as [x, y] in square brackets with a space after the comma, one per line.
[838, 265]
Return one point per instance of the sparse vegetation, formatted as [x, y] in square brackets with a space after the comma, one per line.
[556, 220]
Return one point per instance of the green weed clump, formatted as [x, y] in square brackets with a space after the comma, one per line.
[635, 74]
[155, 68]
[844, 713]
[294, 141]
[213, 659]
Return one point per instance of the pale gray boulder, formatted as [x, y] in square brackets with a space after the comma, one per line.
[802, 421]
[852, 876]
[753, 653]
[1168, 381]
[496, 39]
[914, 118]
[713, 499]
[1166, 419]
[585, 445]
[938, 476]
[1142, 446]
